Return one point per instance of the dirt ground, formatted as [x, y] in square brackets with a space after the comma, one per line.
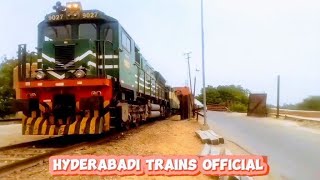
[308, 124]
[167, 137]
[314, 125]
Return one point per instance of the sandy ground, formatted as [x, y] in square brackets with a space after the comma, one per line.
[308, 125]
[311, 114]
[166, 137]
[12, 134]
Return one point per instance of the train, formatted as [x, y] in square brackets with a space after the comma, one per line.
[89, 77]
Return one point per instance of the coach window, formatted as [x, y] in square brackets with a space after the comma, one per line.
[88, 31]
[137, 55]
[126, 43]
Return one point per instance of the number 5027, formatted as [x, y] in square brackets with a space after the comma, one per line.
[90, 15]
[55, 17]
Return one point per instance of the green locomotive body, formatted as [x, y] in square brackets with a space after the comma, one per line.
[89, 69]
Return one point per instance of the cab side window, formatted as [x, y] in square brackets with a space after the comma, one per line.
[125, 41]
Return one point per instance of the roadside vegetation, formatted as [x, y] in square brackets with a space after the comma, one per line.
[311, 103]
[7, 93]
[236, 98]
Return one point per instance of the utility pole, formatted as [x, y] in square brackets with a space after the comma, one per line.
[194, 83]
[278, 96]
[205, 125]
[188, 58]
[191, 95]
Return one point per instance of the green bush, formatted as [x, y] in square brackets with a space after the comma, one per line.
[236, 98]
[239, 108]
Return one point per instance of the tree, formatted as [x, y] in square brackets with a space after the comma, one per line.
[235, 97]
[212, 96]
[6, 72]
[311, 103]
[7, 94]
[6, 101]
[233, 94]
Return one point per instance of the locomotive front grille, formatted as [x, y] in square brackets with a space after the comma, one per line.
[64, 54]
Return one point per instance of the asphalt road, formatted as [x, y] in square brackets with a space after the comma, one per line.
[293, 151]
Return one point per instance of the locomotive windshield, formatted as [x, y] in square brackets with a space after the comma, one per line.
[70, 31]
[53, 33]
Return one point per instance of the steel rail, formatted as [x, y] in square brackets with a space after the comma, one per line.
[38, 159]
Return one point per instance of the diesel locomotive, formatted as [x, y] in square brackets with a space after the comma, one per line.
[90, 76]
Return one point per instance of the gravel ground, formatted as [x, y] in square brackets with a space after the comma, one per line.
[167, 137]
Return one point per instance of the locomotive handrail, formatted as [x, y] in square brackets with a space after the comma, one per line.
[22, 58]
[100, 52]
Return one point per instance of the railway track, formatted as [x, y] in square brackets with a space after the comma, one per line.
[15, 158]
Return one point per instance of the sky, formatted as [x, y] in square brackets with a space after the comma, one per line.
[247, 42]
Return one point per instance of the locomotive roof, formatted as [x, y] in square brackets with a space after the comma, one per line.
[73, 12]
[102, 16]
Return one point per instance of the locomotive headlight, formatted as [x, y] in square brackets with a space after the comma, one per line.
[74, 6]
[73, 10]
[40, 75]
[79, 73]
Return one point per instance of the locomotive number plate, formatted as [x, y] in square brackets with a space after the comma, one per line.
[55, 17]
[89, 15]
